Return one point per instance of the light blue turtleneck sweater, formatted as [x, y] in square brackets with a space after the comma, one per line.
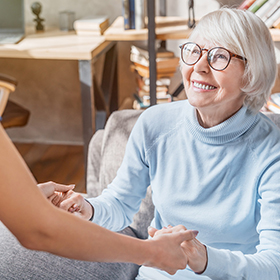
[223, 181]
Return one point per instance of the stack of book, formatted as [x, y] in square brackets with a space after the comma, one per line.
[273, 104]
[166, 64]
[91, 25]
[267, 10]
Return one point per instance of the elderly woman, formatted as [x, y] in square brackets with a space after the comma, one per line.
[213, 161]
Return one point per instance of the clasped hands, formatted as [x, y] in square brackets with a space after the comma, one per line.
[65, 198]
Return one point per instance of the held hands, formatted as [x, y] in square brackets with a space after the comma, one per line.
[75, 203]
[65, 198]
[54, 192]
[167, 251]
[195, 253]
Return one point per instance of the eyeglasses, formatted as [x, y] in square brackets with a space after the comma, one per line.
[218, 57]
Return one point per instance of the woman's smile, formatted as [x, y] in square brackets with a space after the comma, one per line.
[202, 86]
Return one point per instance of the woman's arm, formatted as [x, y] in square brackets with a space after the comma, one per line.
[41, 226]
[223, 264]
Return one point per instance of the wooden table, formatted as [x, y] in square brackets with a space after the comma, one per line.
[55, 44]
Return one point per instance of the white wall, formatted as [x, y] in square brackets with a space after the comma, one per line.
[112, 8]
[51, 9]
[180, 8]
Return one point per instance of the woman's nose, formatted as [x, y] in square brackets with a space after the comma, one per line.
[202, 64]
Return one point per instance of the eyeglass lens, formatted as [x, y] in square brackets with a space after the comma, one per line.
[218, 58]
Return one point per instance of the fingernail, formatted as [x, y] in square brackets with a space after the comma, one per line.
[195, 232]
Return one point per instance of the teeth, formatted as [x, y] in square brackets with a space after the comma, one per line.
[207, 87]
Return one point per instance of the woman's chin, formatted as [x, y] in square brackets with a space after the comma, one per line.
[198, 102]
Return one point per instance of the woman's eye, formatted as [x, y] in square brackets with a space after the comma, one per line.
[220, 56]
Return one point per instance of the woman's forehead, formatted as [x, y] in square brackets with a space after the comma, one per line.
[204, 43]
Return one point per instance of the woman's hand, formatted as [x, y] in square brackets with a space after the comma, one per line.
[194, 250]
[75, 203]
[54, 192]
[168, 253]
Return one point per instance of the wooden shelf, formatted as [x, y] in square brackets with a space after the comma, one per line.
[166, 28]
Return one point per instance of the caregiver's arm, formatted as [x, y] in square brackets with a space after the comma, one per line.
[41, 226]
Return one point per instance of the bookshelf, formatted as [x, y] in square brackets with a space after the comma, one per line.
[159, 28]
[116, 31]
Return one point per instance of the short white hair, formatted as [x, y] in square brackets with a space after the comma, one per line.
[244, 33]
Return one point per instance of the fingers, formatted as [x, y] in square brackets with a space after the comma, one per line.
[152, 231]
[50, 187]
[74, 208]
[186, 235]
[63, 188]
[169, 229]
[72, 202]
[55, 199]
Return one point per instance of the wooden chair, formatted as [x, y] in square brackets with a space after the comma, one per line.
[11, 114]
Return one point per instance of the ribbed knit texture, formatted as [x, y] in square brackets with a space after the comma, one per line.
[223, 133]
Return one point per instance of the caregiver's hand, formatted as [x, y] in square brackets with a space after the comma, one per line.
[195, 251]
[54, 192]
[167, 253]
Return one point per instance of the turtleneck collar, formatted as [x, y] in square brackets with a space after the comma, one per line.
[224, 132]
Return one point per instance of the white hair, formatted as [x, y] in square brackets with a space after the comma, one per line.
[243, 33]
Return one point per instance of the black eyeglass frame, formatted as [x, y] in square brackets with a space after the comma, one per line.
[208, 57]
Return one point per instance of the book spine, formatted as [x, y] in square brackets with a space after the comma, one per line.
[276, 24]
[246, 4]
[265, 11]
[126, 16]
[132, 13]
[269, 22]
[275, 97]
[139, 14]
[272, 107]
[255, 6]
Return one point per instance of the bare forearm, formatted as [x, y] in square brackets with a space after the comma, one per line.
[39, 225]
[42, 226]
[69, 236]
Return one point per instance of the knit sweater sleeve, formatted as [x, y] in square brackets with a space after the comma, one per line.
[116, 206]
[265, 263]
